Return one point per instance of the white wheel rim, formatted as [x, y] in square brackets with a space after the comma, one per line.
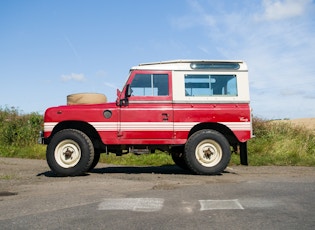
[208, 153]
[67, 153]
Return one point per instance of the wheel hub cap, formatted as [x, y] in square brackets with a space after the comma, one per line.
[208, 153]
[68, 153]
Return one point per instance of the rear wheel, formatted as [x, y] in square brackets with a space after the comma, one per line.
[207, 152]
[177, 154]
[70, 153]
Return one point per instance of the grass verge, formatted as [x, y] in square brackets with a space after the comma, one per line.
[280, 143]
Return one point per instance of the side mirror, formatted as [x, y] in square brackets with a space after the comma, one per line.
[128, 91]
[124, 101]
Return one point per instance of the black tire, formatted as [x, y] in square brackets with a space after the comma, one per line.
[70, 153]
[207, 152]
[177, 154]
[96, 159]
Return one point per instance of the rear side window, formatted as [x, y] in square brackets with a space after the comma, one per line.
[210, 85]
[150, 85]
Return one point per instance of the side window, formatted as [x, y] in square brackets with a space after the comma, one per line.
[210, 85]
[150, 85]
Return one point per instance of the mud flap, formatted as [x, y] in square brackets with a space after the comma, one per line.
[243, 153]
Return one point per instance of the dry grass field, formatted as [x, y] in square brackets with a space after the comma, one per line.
[308, 123]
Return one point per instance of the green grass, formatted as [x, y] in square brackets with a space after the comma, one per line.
[34, 151]
[276, 143]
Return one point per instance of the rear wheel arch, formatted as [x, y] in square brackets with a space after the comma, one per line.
[224, 130]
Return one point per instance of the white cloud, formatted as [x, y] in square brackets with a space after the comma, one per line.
[279, 54]
[73, 77]
[113, 86]
[198, 17]
[74, 51]
[283, 9]
[103, 74]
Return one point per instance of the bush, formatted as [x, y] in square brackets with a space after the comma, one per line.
[19, 130]
[281, 143]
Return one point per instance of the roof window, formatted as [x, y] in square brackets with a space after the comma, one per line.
[214, 65]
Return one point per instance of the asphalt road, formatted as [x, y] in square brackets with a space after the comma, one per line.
[166, 197]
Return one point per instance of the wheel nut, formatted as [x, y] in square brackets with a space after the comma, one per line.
[68, 153]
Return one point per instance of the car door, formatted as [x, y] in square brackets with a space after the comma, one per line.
[148, 115]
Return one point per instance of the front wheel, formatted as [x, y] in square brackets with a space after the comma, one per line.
[70, 153]
[96, 159]
[207, 152]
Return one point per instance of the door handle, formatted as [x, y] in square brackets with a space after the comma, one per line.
[164, 116]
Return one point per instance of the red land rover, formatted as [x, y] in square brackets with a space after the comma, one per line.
[197, 110]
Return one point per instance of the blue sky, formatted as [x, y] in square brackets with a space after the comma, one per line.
[50, 49]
